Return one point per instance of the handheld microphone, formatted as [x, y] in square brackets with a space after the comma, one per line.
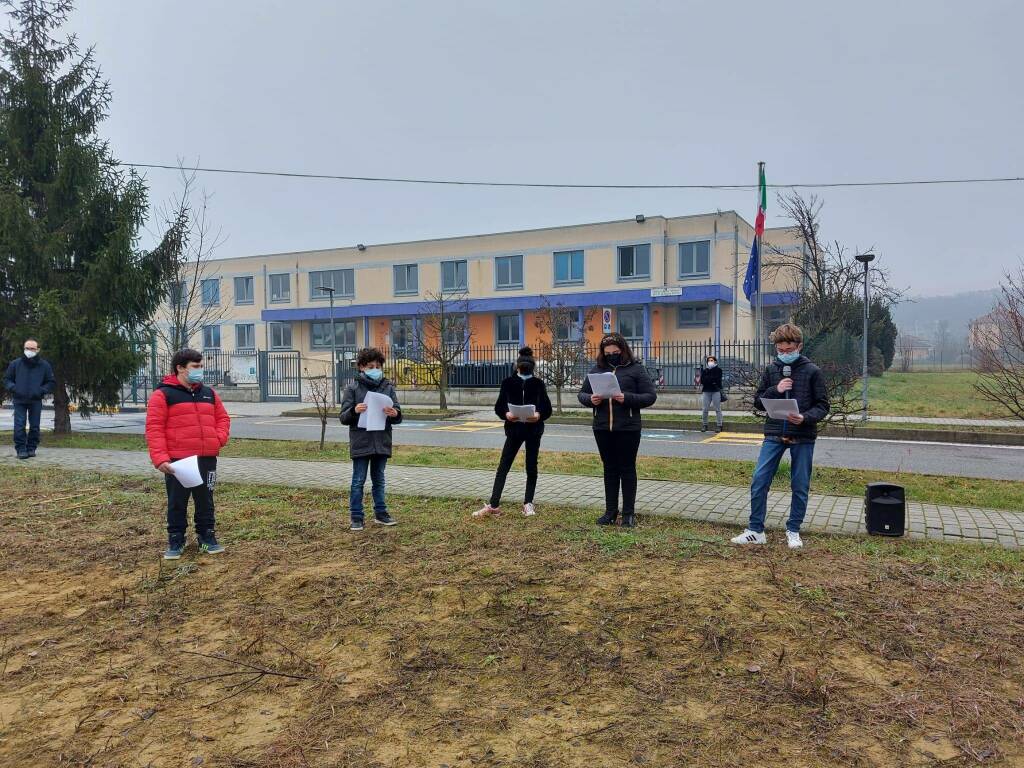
[787, 372]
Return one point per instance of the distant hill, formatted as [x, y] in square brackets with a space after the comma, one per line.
[920, 315]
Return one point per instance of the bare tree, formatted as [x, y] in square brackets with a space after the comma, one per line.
[319, 387]
[562, 351]
[998, 340]
[443, 335]
[193, 303]
[905, 347]
[829, 282]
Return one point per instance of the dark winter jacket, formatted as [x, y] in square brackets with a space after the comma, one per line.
[639, 390]
[711, 379]
[361, 442]
[516, 391]
[809, 392]
[28, 380]
[185, 421]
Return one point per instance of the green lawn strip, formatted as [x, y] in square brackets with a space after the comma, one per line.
[252, 513]
[834, 481]
[932, 394]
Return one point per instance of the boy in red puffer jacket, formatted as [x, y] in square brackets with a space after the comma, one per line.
[185, 419]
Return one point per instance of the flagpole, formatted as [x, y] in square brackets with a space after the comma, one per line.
[759, 310]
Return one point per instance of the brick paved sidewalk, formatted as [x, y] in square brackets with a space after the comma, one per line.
[692, 501]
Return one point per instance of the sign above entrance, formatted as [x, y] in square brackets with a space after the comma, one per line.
[668, 290]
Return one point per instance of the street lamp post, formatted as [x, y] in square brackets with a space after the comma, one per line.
[334, 348]
[865, 259]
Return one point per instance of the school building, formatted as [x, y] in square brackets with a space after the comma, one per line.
[653, 279]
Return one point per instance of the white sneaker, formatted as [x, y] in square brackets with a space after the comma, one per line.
[750, 537]
[486, 510]
[793, 540]
[528, 510]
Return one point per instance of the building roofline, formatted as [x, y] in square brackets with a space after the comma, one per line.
[480, 235]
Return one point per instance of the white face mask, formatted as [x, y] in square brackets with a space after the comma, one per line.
[30, 353]
[712, 363]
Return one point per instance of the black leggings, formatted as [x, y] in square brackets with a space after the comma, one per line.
[618, 454]
[508, 455]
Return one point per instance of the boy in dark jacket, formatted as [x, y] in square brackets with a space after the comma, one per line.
[185, 418]
[369, 451]
[29, 379]
[523, 388]
[791, 375]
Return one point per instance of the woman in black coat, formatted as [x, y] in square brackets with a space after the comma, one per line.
[711, 387]
[617, 425]
[522, 388]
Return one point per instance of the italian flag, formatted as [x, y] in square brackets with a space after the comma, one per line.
[762, 203]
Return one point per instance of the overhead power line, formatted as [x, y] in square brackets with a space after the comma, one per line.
[540, 185]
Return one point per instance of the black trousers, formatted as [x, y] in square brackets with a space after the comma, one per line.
[618, 454]
[202, 495]
[508, 455]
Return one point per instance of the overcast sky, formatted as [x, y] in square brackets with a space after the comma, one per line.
[589, 91]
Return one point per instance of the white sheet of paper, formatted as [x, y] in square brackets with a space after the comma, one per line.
[187, 471]
[779, 408]
[604, 384]
[373, 418]
[523, 412]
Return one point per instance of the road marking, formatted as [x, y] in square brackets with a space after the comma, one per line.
[468, 426]
[290, 420]
[660, 436]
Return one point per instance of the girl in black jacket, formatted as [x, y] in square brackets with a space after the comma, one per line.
[523, 388]
[617, 425]
[711, 387]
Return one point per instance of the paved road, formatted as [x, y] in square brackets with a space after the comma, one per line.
[1001, 463]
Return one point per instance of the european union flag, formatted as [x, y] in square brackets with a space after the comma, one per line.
[750, 282]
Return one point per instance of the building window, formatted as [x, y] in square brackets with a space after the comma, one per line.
[245, 336]
[407, 279]
[695, 259]
[243, 290]
[635, 262]
[320, 334]
[176, 293]
[507, 331]
[402, 334]
[211, 292]
[211, 337]
[454, 330]
[280, 288]
[631, 323]
[280, 335]
[774, 317]
[508, 272]
[568, 267]
[343, 281]
[567, 329]
[453, 276]
[695, 317]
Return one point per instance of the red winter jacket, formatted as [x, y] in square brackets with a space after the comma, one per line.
[183, 422]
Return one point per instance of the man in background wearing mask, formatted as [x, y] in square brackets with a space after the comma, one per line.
[790, 375]
[185, 418]
[29, 379]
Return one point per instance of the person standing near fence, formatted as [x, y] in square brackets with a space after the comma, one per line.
[369, 450]
[29, 379]
[522, 388]
[185, 418]
[711, 392]
[617, 425]
[792, 376]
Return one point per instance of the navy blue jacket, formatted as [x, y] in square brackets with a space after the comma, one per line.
[28, 380]
[808, 390]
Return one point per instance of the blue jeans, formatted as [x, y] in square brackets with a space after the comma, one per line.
[374, 465]
[801, 457]
[29, 412]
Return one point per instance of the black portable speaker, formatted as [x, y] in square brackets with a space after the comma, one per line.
[885, 509]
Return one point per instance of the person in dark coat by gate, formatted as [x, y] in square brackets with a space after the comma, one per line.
[369, 451]
[522, 388]
[711, 391]
[29, 379]
[617, 425]
[185, 418]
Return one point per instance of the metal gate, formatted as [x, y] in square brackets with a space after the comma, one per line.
[280, 375]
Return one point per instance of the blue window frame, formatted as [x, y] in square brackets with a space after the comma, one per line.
[568, 267]
[634, 262]
[695, 259]
[695, 316]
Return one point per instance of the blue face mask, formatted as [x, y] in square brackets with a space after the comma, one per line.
[195, 375]
[788, 358]
[374, 373]
[525, 376]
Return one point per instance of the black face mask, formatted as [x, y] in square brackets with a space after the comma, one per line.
[614, 359]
